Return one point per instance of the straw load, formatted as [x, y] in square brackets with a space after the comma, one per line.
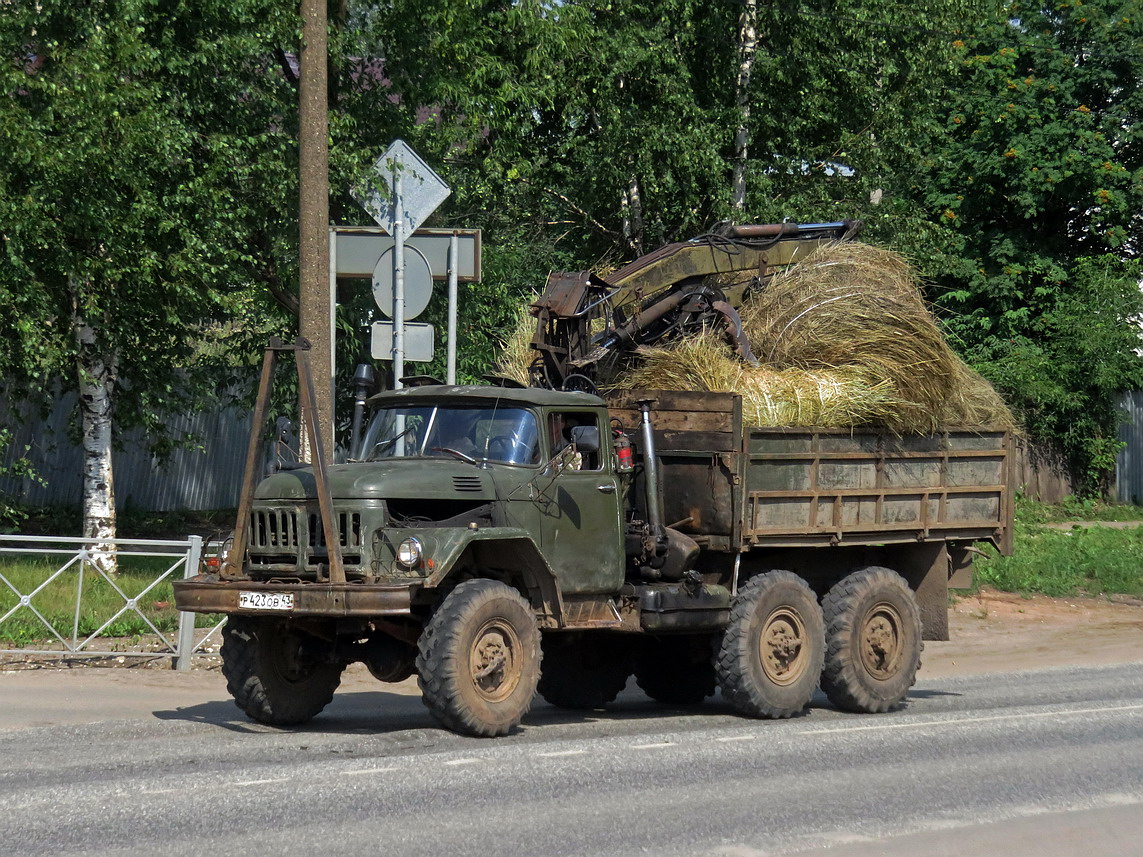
[844, 339]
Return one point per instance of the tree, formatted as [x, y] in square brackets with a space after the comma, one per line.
[139, 142]
[1038, 180]
[580, 134]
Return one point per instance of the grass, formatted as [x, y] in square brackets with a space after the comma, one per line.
[1091, 561]
[1031, 512]
[57, 601]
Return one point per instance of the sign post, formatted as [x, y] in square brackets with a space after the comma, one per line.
[398, 284]
[453, 256]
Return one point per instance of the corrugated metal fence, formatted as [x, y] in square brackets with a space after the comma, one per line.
[208, 475]
[1129, 464]
[205, 476]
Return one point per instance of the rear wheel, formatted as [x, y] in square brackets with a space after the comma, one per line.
[479, 659]
[677, 670]
[278, 675]
[770, 656]
[583, 670]
[873, 634]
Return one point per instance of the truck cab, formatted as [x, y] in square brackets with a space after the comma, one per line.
[441, 473]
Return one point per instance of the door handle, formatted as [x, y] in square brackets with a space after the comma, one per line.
[606, 489]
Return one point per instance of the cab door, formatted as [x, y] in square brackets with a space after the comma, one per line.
[581, 527]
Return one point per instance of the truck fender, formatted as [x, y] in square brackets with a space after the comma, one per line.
[507, 553]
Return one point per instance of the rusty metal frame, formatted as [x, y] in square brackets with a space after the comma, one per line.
[233, 567]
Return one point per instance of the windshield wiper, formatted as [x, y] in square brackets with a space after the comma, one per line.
[381, 444]
[462, 456]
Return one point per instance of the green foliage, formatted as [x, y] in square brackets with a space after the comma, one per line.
[1038, 179]
[1031, 513]
[148, 170]
[140, 155]
[13, 465]
[840, 95]
[1079, 561]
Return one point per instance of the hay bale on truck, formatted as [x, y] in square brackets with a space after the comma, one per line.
[751, 487]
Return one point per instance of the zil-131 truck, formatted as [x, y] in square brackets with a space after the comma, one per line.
[504, 540]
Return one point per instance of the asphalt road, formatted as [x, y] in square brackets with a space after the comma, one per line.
[1047, 762]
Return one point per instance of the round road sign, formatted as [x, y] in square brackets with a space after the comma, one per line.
[418, 282]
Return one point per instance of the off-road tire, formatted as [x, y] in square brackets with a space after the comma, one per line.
[583, 671]
[478, 659]
[677, 670]
[771, 653]
[873, 641]
[276, 674]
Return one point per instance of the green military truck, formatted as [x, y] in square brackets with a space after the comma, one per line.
[504, 540]
[499, 542]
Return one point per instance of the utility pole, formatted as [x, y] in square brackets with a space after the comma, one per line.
[315, 319]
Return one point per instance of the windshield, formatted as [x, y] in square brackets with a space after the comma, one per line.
[502, 434]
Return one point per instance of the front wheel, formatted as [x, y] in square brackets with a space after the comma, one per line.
[771, 653]
[479, 659]
[873, 631]
[278, 675]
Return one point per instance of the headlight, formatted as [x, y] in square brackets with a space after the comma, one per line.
[410, 552]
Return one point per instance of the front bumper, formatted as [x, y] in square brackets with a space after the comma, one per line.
[208, 593]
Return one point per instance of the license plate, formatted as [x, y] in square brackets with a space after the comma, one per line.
[266, 600]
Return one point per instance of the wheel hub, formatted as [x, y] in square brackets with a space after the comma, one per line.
[782, 646]
[493, 661]
[882, 641]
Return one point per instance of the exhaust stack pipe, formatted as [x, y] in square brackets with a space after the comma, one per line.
[650, 469]
[363, 381]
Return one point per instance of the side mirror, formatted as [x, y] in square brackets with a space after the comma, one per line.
[585, 438]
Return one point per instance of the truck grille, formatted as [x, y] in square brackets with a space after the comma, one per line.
[274, 530]
[348, 527]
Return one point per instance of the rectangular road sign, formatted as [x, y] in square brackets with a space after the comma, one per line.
[358, 248]
[419, 341]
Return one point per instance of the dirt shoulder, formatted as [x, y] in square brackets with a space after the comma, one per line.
[1004, 632]
[991, 632]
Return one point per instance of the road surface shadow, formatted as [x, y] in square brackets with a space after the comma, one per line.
[380, 712]
[351, 712]
[924, 693]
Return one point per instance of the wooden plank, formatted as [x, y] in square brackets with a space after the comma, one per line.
[996, 490]
[677, 421]
[809, 454]
[675, 400]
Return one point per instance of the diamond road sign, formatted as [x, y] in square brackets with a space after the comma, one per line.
[422, 190]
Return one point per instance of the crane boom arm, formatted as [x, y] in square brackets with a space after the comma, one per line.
[584, 319]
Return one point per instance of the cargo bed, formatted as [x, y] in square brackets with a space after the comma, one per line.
[733, 487]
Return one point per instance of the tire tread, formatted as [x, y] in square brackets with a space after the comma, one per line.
[840, 679]
[732, 664]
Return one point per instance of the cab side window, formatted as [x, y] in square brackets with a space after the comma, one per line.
[578, 431]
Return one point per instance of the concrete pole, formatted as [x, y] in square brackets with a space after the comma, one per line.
[314, 313]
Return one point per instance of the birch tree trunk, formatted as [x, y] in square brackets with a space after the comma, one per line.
[632, 205]
[96, 374]
[747, 48]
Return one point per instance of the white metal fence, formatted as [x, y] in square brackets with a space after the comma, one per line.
[69, 574]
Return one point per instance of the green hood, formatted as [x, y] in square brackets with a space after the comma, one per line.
[420, 478]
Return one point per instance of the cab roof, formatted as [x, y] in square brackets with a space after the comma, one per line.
[486, 395]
